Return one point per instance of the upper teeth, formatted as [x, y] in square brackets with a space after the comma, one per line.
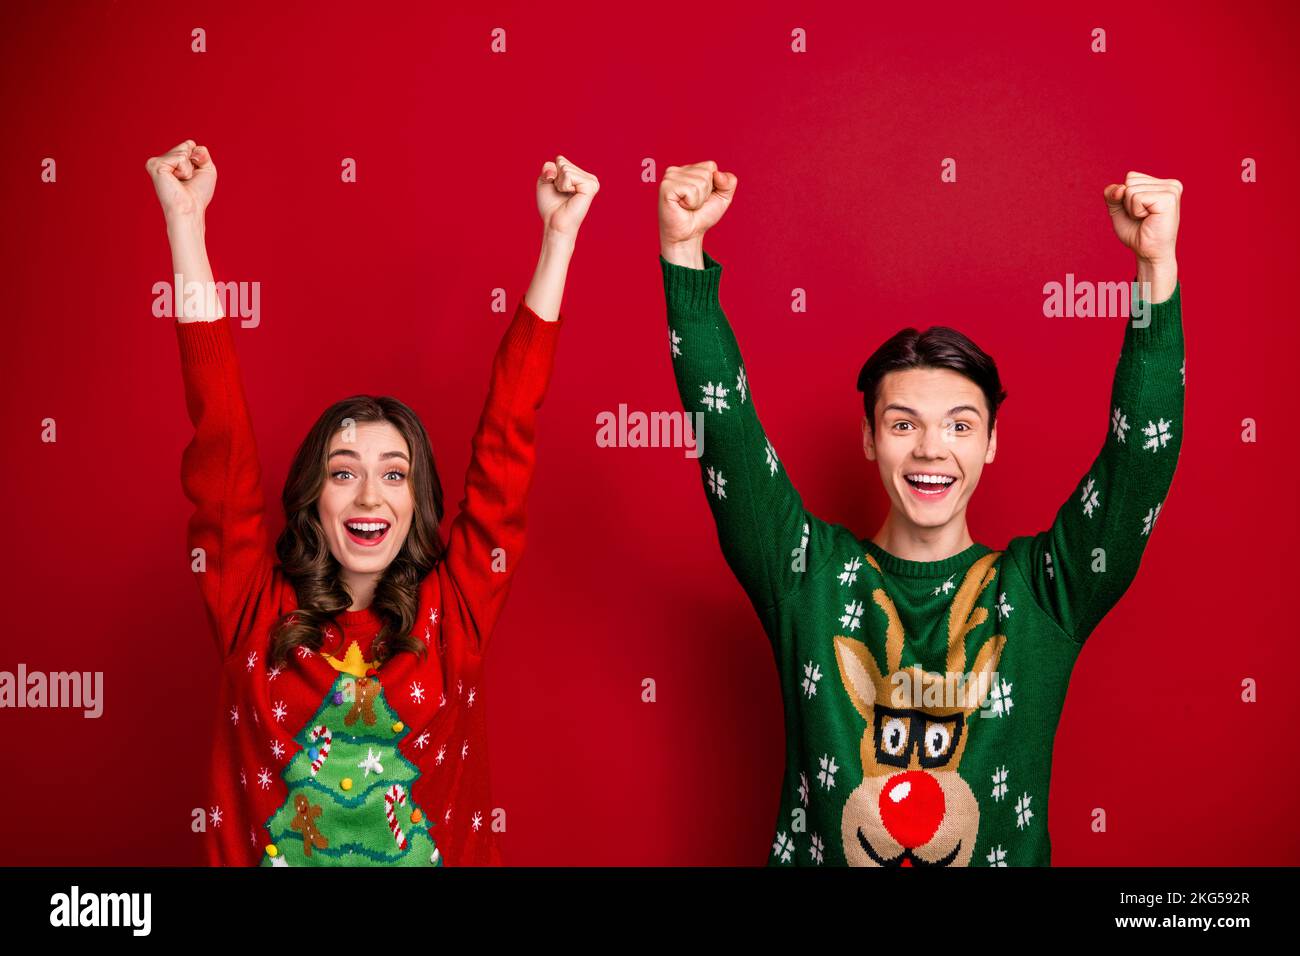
[934, 479]
[366, 526]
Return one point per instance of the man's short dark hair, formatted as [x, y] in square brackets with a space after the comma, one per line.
[936, 347]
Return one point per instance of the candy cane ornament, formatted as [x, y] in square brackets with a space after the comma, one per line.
[323, 735]
[395, 796]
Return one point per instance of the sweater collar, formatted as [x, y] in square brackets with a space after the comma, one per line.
[942, 568]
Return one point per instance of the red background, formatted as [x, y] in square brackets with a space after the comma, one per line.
[383, 286]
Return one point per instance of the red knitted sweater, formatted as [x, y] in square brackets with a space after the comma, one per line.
[265, 714]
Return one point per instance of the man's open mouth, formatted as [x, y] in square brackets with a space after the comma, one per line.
[367, 533]
[930, 485]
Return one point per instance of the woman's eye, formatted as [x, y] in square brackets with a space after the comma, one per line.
[400, 474]
[338, 473]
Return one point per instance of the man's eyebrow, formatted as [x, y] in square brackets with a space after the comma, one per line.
[912, 411]
[387, 454]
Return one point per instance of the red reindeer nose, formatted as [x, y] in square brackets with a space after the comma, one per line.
[911, 807]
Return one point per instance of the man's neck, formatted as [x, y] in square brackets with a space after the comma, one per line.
[910, 542]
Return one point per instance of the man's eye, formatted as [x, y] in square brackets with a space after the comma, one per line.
[900, 424]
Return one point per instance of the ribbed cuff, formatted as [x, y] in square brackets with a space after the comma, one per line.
[528, 327]
[205, 342]
[1164, 322]
[691, 292]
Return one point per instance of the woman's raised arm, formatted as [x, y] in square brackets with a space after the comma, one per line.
[487, 538]
[229, 548]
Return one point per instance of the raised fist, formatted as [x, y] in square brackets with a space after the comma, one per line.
[691, 199]
[184, 178]
[564, 194]
[1144, 212]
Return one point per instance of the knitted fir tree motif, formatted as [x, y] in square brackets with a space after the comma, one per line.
[912, 807]
[350, 801]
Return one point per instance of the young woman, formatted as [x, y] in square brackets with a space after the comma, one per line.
[351, 722]
[888, 648]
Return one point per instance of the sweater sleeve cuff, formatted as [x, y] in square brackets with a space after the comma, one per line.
[1162, 322]
[528, 328]
[692, 292]
[203, 343]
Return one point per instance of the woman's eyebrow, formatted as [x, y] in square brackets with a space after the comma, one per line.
[387, 454]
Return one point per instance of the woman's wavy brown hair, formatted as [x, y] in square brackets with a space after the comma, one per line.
[304, 553]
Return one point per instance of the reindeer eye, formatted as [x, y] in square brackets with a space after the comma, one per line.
[938, 738]
[893, 737]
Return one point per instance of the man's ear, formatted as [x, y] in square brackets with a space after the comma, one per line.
[993, 444]
[868, 441]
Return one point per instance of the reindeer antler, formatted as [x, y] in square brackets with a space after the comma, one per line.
[963, 617]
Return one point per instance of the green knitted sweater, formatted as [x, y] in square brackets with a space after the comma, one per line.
[922, 697]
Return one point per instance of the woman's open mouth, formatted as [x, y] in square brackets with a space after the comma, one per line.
[367, 533]
[930, 486]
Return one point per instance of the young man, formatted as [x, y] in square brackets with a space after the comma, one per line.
[924, 674]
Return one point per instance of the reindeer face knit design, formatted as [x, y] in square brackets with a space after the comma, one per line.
[922, 697]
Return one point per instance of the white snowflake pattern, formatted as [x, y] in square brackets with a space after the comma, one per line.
[1004, 609]
[274, 672]
[422, 741]
[252, 836]
[243, 780]
[997, 856]
[850, 572]
[742, 385]
[464, 750]
[826, 775]
[715, 396]
[277, 749]
[783, 848]
[279, 710]
[1000, 782]
[1000, 698]
[1119, 424]
[1158, 434]
[852, 615]
[1023, 813]
[215, 816]
[433, 616]
[304, 652]
[234, 715]
[674, 342]
[440, 755]
[812, 673]
[469, 701]
[772, 460]
[717, 484]
[946, 586]
[417, 692]
[442, 700]
[264, 778]
[1149, 521]
[446, 817]
[1090, 497]
[803, 788]
[1051, 572]
[371, 762]
[816, 850]
[250, 661]
[1182, 372]
[476, 821]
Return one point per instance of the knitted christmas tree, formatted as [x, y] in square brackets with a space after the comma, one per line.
[350, 801]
